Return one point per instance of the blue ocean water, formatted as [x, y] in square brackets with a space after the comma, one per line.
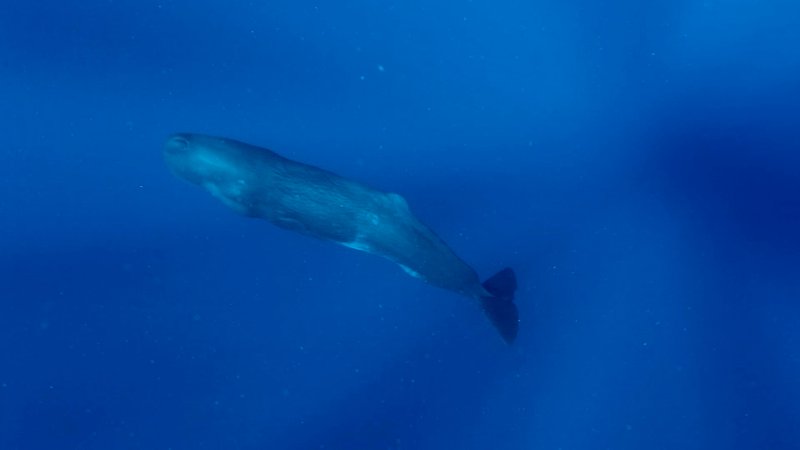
[636, 163]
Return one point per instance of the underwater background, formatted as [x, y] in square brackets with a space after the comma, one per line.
[637, 164]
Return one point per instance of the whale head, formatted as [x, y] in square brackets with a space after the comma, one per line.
[215, 164]
[202, 159]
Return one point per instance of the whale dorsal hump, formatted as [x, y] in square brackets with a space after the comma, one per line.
[398, 201]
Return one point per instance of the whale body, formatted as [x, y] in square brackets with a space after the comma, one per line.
[257, 182]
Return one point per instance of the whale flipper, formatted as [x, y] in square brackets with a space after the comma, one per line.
[500, 308]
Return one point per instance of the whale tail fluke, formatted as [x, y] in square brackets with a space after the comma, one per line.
[500, 308]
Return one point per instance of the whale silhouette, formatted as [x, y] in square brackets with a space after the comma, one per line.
[257, 182]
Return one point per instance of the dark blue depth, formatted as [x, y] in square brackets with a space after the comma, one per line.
[637, 165]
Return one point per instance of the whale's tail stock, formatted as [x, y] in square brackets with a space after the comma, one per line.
[500, 307]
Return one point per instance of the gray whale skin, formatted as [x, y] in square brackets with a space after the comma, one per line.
[257, 182]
